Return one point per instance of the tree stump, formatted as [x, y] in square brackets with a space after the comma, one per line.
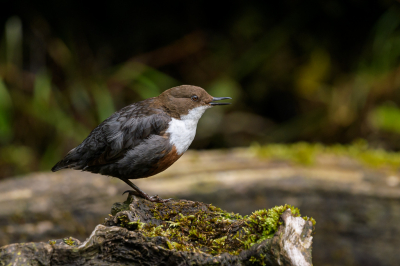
[178, 232]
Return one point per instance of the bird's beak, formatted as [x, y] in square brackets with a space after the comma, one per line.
[219, 99]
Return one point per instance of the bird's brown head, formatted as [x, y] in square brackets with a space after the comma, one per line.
[179, 101]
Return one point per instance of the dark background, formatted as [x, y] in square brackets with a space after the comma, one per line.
[319, 71]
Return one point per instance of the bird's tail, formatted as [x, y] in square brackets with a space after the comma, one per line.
[65, 163]
[60, 165]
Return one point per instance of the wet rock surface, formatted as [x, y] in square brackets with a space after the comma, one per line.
[133, 234]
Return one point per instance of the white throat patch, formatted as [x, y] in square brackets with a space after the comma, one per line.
[182, 131]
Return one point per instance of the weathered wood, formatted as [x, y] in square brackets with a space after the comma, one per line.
[113, 244]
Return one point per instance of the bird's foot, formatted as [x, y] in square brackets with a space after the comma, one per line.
[154, 198]
[133, 193]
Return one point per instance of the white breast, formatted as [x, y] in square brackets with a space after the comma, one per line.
[182, 131]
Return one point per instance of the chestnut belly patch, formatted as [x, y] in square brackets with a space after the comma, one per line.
[166, 161]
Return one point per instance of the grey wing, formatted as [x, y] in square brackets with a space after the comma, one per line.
[113, 138]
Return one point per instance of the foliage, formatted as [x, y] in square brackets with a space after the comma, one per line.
[307, 153]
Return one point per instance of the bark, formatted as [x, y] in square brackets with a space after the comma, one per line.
[112, 243]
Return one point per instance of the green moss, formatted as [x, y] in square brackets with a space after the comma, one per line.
[123, 220]
[136, 225]
[312, 220]
[306, 153]
[198, 227]
[258, 260]
[69, 241]
[263, 224]
[52, 242]
[117, 207]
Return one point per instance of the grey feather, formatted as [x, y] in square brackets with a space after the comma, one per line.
[120, 145]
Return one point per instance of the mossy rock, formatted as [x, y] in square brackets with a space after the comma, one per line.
[198, 227]
[139, 232]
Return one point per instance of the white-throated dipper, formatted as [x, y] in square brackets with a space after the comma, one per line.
[144, 138]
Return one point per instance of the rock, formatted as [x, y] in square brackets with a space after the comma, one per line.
[179, 232]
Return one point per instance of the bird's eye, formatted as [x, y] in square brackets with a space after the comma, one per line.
[195, 98]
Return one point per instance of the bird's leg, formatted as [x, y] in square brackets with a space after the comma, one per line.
[138, 192]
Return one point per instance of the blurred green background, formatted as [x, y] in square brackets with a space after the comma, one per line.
[316, 71]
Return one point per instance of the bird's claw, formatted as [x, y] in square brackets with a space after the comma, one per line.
[154, 198]
[132, 192]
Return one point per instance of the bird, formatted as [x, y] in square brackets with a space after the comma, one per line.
[144, 138]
